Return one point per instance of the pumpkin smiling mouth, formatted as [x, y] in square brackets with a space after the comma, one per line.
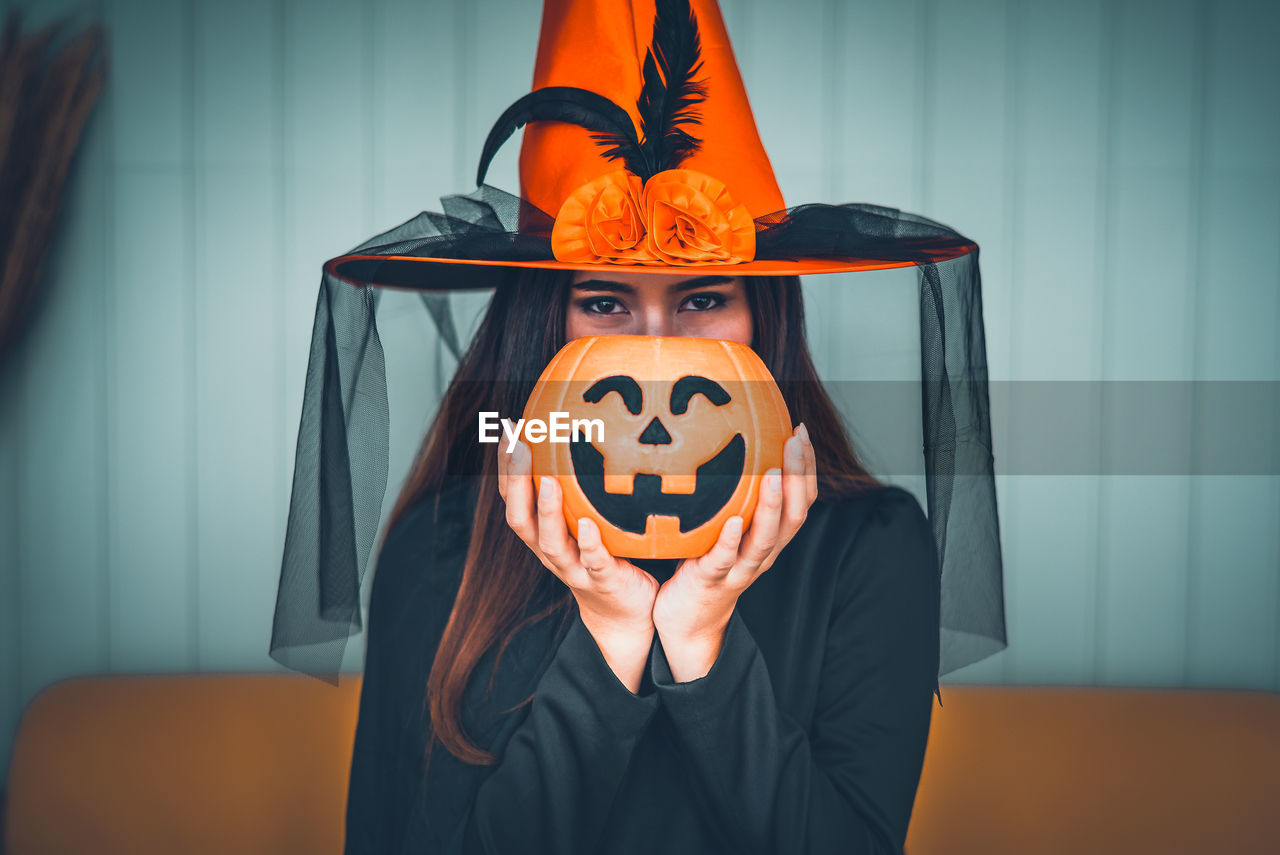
[716, 481]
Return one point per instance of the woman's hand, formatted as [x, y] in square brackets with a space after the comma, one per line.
[693, 607]
[615, 598]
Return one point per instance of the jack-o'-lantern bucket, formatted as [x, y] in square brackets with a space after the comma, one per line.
[658, 440]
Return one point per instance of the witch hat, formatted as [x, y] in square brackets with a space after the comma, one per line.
[641, 149]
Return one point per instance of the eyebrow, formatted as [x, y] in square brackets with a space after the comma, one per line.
[623, 288]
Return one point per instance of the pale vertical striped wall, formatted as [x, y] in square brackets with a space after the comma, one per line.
[147, 425]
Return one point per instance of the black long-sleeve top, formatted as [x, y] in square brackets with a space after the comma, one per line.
[806, 736]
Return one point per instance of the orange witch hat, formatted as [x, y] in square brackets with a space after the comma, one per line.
[640, 149]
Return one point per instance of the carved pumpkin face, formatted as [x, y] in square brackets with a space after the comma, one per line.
[690, 426]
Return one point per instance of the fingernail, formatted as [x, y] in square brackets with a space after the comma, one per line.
[804, 433]
[545, 485]
[521, 454]
[734, 526]
[774, 477]
[796, 449]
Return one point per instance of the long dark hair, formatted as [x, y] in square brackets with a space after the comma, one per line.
[504, 586]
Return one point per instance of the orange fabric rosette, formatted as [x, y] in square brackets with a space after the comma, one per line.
[602, 221]
[692, 219]
[679, 216]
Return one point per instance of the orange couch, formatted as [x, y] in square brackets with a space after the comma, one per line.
[258, 764]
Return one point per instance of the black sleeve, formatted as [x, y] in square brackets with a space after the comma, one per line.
[562, 767]
[847, 784]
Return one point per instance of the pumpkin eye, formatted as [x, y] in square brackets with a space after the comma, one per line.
[686, 387]
[626, 387]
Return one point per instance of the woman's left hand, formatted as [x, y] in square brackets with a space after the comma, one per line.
[693, 607]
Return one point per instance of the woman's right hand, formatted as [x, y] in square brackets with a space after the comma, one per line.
[615, 598]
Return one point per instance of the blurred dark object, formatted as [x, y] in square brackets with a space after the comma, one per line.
[47, 92]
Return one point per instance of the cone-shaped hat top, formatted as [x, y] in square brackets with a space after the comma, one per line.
[600, 45]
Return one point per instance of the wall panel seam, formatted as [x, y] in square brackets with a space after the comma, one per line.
[1012, 192]
[1111, 20]
[1195, 270]
[108, 364]
[192, 367]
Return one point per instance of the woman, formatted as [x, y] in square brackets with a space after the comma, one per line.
[528, 692]
[773, 695]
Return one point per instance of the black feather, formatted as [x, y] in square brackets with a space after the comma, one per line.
[625, 146]
[670, 93]
[611, 125]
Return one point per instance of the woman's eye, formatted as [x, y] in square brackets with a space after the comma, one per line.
[702, 302]
[603, 306]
